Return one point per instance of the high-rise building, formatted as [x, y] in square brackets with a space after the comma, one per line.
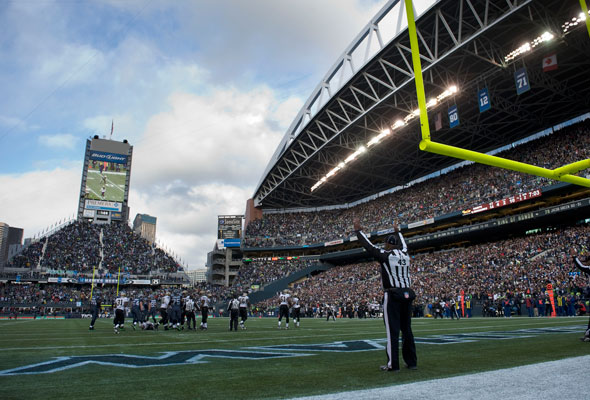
[145, 226]
[197, 275]
[8, 236]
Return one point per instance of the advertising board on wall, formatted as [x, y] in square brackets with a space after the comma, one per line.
[103, 205]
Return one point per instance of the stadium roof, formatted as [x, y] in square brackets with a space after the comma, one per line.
[463, 43]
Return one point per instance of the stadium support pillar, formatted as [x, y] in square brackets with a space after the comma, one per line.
[92, 285]
[561, 174]
[118, 278]
[585, 11]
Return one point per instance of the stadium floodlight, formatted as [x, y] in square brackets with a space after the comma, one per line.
[526, 47]
[451, 90]
[575, 22]
[373, 141]
[350, 158]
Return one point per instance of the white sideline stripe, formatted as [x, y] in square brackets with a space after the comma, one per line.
[562, 379]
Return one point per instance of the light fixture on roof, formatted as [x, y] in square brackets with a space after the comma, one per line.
[384, 133]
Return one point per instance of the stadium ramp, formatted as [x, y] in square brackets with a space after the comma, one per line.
[274, 287]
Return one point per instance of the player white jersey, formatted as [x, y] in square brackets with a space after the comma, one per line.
[284, 299]
[190, 304]
[205, 301]
[244, 300]
[120, 303]
[165, 301]
[296, 302]
[233, 304]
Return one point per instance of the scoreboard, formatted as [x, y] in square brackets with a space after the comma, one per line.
[229, 226]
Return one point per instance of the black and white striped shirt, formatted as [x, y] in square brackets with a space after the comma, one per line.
[395, 264]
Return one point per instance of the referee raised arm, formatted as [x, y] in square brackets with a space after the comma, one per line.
[398, 296]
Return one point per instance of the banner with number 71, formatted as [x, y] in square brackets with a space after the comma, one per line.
[522, 81]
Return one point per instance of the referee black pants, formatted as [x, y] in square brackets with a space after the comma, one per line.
[398, 317]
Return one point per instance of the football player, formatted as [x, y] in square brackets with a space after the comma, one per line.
[285, 303]
[120, 304]
[244, 307]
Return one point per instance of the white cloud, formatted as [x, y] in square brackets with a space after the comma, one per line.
[223, 136]
[12, 122]
[64, 140]
[187, 216]
[36, 200]
[203, 158]
[69, 64]
[182, 84]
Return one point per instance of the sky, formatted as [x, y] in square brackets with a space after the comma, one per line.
[204, 90]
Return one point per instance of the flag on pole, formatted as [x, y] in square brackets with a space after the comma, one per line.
[438, 122]
[112, 127]
[550, 62]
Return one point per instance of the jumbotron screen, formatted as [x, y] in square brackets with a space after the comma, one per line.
[106, 181]
[106, 174]
[229, 226]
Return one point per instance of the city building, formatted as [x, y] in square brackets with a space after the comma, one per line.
[197, 275]
[145, 226]
[8, 236]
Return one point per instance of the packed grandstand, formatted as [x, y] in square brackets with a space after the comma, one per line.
[514, 268]
[487, 234]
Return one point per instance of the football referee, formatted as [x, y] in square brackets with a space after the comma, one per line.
[585, 269]
[397, 298]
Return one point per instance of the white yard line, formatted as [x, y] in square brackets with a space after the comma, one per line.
[563, 379]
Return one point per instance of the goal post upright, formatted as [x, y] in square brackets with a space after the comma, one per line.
[562, 173]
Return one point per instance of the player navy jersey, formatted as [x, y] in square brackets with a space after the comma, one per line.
[95, 302]
[136, 302]
[153, 303]
[176, 300]
[395, 264]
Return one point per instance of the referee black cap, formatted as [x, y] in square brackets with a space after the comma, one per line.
[392, 240]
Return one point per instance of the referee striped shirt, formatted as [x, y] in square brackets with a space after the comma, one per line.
[395, 264]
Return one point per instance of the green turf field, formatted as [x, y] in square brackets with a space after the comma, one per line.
[218, 364]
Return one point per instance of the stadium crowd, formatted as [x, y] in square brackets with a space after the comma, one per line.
[513, 269]
[264, 272]
[80, 246]
[457, 190]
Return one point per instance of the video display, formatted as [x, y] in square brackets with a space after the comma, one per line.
[106, 180]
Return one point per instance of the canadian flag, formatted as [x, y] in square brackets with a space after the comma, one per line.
[550, 62]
